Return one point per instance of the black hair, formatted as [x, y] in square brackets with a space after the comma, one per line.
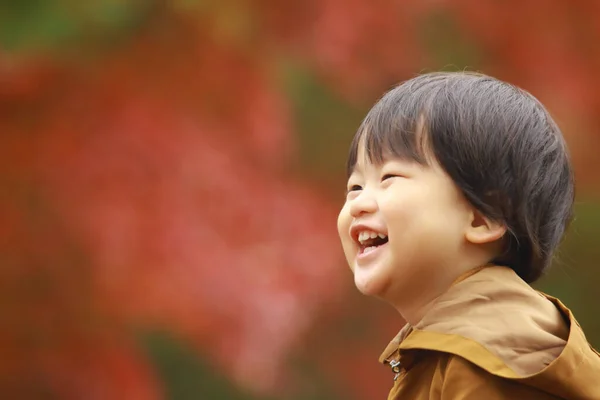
[498, 144]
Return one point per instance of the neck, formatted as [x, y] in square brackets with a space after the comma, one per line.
[415, 313]
[417, 306]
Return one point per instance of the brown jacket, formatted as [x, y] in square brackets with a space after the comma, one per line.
[491, 336]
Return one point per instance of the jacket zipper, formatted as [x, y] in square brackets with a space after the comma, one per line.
[395, 365]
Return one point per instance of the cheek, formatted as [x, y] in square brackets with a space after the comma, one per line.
[417, 213]
[343, 225]
[343, 222]
[399, 209]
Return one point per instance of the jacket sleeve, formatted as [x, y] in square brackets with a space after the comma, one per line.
[463, 380]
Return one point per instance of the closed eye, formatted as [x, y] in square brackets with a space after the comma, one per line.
[354, 188]
[388, 176]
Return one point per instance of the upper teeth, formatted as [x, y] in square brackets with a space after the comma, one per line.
[366, 235]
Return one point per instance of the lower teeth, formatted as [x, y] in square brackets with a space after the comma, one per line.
[369, 249]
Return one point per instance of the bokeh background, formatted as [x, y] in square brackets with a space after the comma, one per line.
[171, 172]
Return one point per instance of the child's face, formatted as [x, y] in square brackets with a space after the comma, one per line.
[422, 217]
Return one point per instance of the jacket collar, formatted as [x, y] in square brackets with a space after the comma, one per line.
[490, 311]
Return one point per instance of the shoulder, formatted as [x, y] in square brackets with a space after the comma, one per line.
[459, 379]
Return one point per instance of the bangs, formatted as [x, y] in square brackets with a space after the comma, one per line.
[398, 125]
[390, 133]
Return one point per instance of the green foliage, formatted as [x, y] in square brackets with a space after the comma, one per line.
[42, 24]
[575, 274]
[184, 375]
[450, 48]
[325, 123]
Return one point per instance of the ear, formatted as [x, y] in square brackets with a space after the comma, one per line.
[483, 230]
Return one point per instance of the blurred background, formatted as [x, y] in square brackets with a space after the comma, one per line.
[171, 172]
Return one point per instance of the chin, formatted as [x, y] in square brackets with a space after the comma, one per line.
[369, 286]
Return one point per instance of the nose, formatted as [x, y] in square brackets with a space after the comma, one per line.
[364, 203]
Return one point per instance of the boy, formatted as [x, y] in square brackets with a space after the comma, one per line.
[460, 188]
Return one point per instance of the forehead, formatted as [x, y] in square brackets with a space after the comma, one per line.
[363, 159]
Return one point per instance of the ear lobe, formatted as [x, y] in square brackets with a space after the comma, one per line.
[484, 230]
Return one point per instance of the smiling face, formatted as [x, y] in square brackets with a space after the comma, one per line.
[402, 228]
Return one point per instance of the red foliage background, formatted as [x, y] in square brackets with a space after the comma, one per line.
[149, 183]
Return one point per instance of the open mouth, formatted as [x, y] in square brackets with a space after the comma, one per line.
[369, 242]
